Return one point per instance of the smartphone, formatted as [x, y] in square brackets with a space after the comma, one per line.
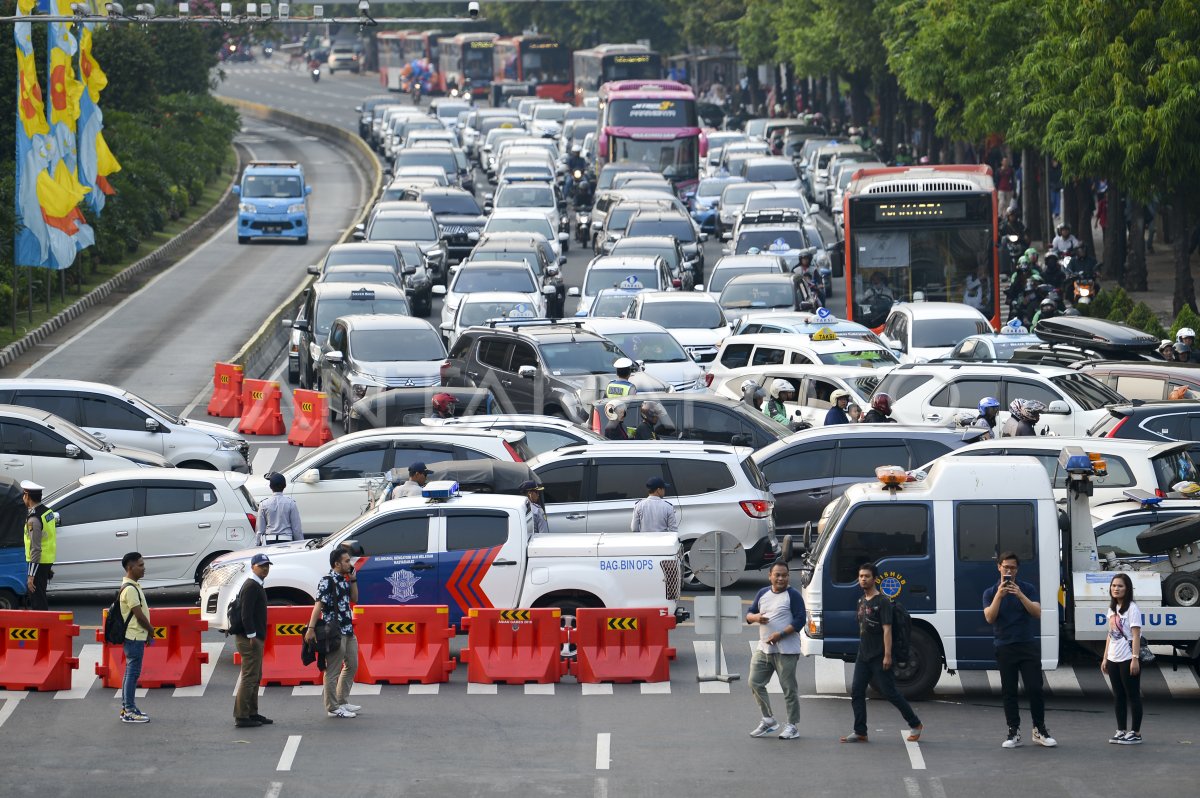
[1007, 578]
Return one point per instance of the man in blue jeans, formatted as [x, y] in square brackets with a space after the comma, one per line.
[875, 658]
[134, 610]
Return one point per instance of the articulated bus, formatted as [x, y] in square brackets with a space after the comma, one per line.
[536, 61]
[608, 62]
[920, 233]
[389, 45]
[467, 57]
[652, 122]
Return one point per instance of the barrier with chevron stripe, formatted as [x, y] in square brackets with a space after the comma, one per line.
[172, 660]
[630, 647]
[281, 648]
[35, 650]
[514, 646]
[400, 644]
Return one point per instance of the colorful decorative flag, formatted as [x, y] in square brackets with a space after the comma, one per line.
[31, 246]
[96, 161]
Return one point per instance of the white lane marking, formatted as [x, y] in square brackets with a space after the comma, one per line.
[480, 689]
[597, 689]
[140, 692]
[935, 786]
[830, 675]
[656, 688]
[13, 695]
[603, 742]
[773, 686]
[83, 677]
[601, 790]
[911, 787]
[263, 459]
[950, 683]
[424, 689]
[1063, 681]
[993, 678]
[706, 665]
[366, 689]
[238, 683]
[915, 758]
[303, 690]
[274, 790]
[214, 651]
[1181, 683]
[289, 752]
[539, 689]
[10, 704]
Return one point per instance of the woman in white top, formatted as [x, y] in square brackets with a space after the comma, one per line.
[1120, 660]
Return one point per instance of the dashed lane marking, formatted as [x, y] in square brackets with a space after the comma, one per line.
[656, 688]
[424, 689]
[83, 677]
[263, 459]
[289, 752]
[214, 651]
[706, 665]
[915, 758]
[597, 689]
[603, 744]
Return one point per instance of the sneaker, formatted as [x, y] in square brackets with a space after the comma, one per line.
[355, 708]
[1133, 738]
[789, 733]
[134, 716]
[1013, 740]
[1042, 737]
[1118, 737]
[341, 712]
[767, 726]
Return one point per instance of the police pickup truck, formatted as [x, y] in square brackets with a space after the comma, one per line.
[464, 551]
[935, 542]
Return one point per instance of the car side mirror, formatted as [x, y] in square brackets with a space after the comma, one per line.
[152, 425]
[698, 287]
[287, 324]
[237, 190]
[360, 232]
[740, 440]
[703, 238]
[71, 450]
[301, 325]
[785, 549]
[1058, 408]
[487, 206]
[726, 250]
[562, 259]
[572, 291]
[314, 269]
[310, 477]
[410, 269]
[334, 357]
[527, 372]
[472, 236]
[439, 290]
[307, 190]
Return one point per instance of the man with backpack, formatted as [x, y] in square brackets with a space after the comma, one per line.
[251, 633]
[132, 610]
[876, 617]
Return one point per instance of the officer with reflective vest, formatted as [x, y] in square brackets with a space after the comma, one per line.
[40, 544]
[621, 386]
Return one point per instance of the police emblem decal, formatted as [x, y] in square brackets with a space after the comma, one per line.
[403, 586]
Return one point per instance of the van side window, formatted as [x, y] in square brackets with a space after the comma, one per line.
[736, 356]
[621, 480]
[476, 530]
[984, 529]
[878, 531]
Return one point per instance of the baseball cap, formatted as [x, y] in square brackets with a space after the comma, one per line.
[529, 485]
[260, 559]
[277, 481]
[654, 483]
[418, 468]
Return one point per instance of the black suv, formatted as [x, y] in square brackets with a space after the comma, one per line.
[1152, 421]
[699, 416]
[679, 227]
[459, 216]
[538, 366]
[814, 467]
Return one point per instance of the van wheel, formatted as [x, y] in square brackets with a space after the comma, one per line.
[1182, 590]
[917, 677]
[303, 240]
[687, 577]
[8, 600]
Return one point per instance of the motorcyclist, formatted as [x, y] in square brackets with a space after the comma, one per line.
[753, 394]
[1048, 309]
[615, 430]
[1185, 339]
[881, 410]
[646, 429]
[840, 400]
[575, 163]
[444, 405]
[1166, 348]
[1011, 226]
[989, 408]
[781, 391]
[808, 274]
[1064, 243]
[1052, 271]
[1024, 414]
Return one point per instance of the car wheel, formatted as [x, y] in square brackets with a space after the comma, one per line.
[345, 411]
[333, 414]
[687, 577]
[303, 240]
[8, 600]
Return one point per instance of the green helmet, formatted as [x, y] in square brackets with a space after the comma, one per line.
[1021, 261]
[1031, 253]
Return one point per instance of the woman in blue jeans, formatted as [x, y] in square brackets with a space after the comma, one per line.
[135, 610]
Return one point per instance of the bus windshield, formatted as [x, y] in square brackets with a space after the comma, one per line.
[675, 159]
[651, 112]
[546, 64]
[632, 66]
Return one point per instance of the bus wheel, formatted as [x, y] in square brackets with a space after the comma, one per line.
[917, 677]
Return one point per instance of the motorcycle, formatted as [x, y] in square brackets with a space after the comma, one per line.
[581, 189]
[1082, 281]
[415, 91]
[1013, 249]
[583, 225]
[316, 74]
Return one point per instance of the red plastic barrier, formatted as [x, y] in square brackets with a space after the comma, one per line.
[172, 660]
[35, 650]
[260, 408]
[400, 644]
[310, 419]
[226, 400]
[514, 646]
[622, 645]
[281, 652]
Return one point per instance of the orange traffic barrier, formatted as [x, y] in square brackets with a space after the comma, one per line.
[226, 400]
[622, 645]
[172, 660]
[514, 646]
[310, 421]
[399, 644]
[35, 650]
[281, 649]
[260, 408]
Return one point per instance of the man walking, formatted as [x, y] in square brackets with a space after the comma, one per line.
[874, 659]
[253, 600]
[1011, 607]
[278, 515]
[134, 610]
[654, 513]
[40, 544]
[779, 612]
[336, 591]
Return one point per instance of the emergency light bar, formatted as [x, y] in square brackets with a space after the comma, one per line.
[441, 490]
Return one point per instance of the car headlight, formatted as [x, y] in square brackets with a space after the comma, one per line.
[297, 208]
[815, 627]
[222, 574]
[246, 207]
[228, 444]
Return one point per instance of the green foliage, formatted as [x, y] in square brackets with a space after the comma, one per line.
[583, 24]
[1100, 306]
[824, 36]
[1121, 305]
[1186, 318]
[1143, 318]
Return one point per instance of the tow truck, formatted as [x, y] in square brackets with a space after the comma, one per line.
[935, 541]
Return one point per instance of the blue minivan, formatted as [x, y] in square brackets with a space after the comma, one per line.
[273, 201]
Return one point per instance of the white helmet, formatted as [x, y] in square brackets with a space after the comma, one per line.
[1185, 332]
[622, 363]
[779, 386]
[614, 410]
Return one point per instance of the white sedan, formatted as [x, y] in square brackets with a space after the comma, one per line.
[694, 318]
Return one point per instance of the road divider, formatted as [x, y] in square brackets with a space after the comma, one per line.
[310, 419]
[172, 660]
[226, 400]
[261, 414]
[35, 649]
[281, 648]
[400, 644]
[622, 645]
[514, 646]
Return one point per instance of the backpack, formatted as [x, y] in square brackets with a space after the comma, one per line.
[901, 633]
[233, 617]
[114, 624]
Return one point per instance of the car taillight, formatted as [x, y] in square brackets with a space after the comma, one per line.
[516, 456]
[1112, 433]
[676, 283]
[708, 378]
[253, 519]
[1160, 493]
[756, 508]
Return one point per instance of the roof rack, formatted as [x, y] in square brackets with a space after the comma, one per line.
[282, 164]
[1012, 366]
[516, 324]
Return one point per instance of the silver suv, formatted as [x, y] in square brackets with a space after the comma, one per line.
[594, 488]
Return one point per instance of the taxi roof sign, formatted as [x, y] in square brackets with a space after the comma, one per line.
[824, 334]
[362, 295]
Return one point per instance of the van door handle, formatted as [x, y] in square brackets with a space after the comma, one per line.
[122, 534]
[504, 562]
[421, 567]
[917, 589]
[934, 417]
[576, 516]
[12, 463]
[205, 525]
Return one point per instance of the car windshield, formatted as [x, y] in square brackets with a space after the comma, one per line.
[454, 204]
[517, 195]
[360, 276]
[775, 202]
[153, 408]
[580, 357]
[736, 194]
[721, 277]
[681, 229]
[711, 187]
[684, 314]
[473, 313]
[425, 157]
[868, 358]
[475, 279]
[607, 176]
[556, 113]
[770, 241]
[634, 249]
[539, 224]
[771, 172]
[1087, 392]
[652, 347]
[612, 305]
[942, 332]
[450, 110]
[396, 345]
[271, 187]
[361, 257]
[330, 308]
[625, 276]
[775, 294]
[392, 229]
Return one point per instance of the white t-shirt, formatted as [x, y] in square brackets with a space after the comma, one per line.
[1120, 633]
[778, 609]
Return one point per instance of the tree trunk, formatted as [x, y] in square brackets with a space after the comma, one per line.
[1185, 288]
[1084, 210]
[1030, 183]
[1070, 200]
[1114, 234]
[836, 117]
[928, 141]
[1135, 266]
[860, 100]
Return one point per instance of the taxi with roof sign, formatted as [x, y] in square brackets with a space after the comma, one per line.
[993, 347]
[630, 273]
[740, 351]
[484, 306]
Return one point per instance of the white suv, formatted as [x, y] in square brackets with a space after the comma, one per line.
[935, 394]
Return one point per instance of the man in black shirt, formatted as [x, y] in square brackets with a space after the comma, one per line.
[875, 658]
[250, 643]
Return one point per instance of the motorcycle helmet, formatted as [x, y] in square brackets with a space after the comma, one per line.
[781, 386]
[838, 394]
[575, 150]
[1029, 410]
[1185, 332]
[882, 403]
[445, 403]
[614, 411]
[1031, 255]
[1048, 303]
[987, 403]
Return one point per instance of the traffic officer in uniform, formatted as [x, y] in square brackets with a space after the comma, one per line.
[40, 544]
[533, 492]
[621, 386]
[278, 515]
[654, 513]
[418, 475]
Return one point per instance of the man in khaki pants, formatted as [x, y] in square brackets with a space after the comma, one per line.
[336, 591]
[250, 642]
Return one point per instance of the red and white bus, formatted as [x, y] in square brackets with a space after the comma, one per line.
[920, 232]
[468, 58]
[540, 62]
[605, 63]
[652, 122]
[389, 45]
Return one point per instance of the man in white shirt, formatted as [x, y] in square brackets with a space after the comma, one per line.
[1064, 242]
[654, 513]
[778, 611]
[418, 475]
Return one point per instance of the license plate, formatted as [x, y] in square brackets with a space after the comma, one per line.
[272, 229]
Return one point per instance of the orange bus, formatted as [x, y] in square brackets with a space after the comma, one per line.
[534, 61]
[467, 57]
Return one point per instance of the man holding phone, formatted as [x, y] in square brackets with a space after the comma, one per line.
[1011, 607]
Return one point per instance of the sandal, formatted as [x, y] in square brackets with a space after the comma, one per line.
[854, 738]
[914, 733]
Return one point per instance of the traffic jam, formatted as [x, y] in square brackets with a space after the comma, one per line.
[508, 461]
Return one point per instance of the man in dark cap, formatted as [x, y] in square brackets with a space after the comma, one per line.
[533, 492]
[654, 513]
[278, 515]
[418, 475]
[250, 640]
